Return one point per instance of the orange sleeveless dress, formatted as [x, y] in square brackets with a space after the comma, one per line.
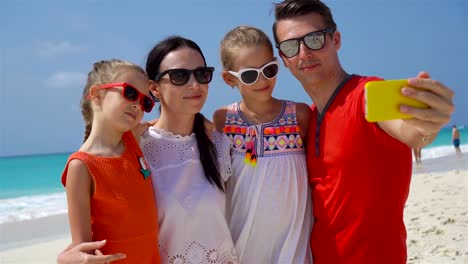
[123, 206]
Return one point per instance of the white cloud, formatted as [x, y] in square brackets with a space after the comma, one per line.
[53, 49]
[66, 80]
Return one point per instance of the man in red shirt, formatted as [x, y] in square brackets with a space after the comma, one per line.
[359, 171]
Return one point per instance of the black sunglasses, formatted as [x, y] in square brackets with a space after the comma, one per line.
[179, 77]
[314, 40]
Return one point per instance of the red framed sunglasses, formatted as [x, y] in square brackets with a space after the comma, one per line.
[132, 94]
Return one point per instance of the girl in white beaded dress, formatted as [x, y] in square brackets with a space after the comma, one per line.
[269, 206]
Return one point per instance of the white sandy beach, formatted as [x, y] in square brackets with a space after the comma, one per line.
[436, 218]
[436, 213]
[34, 241]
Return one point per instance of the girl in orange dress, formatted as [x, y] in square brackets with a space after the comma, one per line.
[108, 185]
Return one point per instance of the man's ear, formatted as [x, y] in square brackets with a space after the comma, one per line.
[154, 90]
[228, 78]
[337, 40]
[284, 59]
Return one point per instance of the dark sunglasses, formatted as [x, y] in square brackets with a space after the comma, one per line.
[132, 94]
[314, 40]
[249, 76]
[179, 77]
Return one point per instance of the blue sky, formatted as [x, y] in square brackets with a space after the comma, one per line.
[47, 47]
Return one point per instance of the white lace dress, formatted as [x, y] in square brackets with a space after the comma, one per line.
[191, 211]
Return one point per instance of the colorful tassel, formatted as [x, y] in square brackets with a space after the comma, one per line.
[248, 156]
[251, 152]
[253, 158]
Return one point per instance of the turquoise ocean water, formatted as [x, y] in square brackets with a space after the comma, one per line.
[30, 186]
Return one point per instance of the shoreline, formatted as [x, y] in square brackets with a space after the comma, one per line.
[29, 232]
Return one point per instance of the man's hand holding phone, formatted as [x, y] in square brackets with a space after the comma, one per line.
[384, 98]
[429, 109]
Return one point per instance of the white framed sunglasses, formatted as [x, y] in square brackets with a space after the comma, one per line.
[249, 76]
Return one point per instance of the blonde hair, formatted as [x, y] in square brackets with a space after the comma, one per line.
[241, 37]
[103, 72]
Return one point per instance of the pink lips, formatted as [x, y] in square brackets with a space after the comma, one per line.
[131, 115]
[193, 97]
[263, 89]
[309, 67]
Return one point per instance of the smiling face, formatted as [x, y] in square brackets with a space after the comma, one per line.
[118, 110]
[310, 67]
[252, 57]
[188, 98]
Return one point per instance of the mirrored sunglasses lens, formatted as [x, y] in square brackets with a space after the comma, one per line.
[203, 75]
[315, 41]
[179, 77]
[249, 77]
[270, 71]
[130, 93]
[289, 48]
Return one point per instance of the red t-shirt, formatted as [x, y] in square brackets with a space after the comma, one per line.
[360, 179]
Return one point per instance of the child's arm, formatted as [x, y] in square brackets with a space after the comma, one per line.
[219, 118]
[79, 192]
[303, 112]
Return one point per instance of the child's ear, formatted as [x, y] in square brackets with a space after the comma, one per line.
[154, 90]
[228, 78]
[94, 93]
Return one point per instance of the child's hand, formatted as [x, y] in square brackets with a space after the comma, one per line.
[78, 255]
[153, 122]
[140, 129]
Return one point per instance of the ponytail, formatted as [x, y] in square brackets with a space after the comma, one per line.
[87, 131]
[208, 156]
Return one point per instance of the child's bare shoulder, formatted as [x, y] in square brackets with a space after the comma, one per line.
[303, 112]
[219, 118]
[77, 165]
[77, 172]
[302, 108]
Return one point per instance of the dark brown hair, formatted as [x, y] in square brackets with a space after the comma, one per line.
[295, 8]
[208, 157]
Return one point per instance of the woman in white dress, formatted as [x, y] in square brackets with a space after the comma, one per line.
[189, 161]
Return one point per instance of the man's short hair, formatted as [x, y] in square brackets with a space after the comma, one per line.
[295, 8]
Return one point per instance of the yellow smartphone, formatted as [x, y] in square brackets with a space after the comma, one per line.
[383, 100]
